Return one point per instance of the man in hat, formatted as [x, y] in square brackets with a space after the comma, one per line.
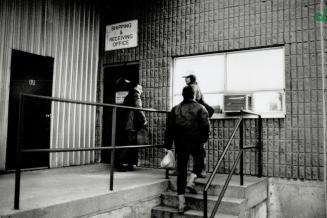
[190, 80]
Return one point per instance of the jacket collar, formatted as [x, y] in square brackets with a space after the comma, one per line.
[188, 100]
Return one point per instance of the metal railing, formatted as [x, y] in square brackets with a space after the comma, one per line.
[20, 151]
[239, 158]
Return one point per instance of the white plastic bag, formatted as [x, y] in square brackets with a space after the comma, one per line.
[168, 161]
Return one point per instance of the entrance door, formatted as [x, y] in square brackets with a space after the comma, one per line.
[116, 84]
[31, 74]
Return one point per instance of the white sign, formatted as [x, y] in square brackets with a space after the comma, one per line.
[121, 35]
[120, 96]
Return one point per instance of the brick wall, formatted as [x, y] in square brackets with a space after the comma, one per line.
[292, 147]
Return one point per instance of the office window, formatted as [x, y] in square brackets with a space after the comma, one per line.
[258, 74]
[209, 71]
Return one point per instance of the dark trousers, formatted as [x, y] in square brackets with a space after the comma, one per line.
[127, 156]
[182, 161]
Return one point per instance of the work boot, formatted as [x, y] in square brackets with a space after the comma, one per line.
[181, 204]
[190, 184]
[203, 174]
[130, 167]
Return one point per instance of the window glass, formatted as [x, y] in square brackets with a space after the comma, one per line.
[255, 70]
[177, 99]
[257, 73]
[209, 72]
[215, 100]
[264, 102]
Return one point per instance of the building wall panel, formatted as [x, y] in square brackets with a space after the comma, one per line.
[68, 31]
[292, 146]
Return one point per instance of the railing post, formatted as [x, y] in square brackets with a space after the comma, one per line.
[18, 152]
[112, 144]
[205, 204]
[241, 149]
[260, 146]
[167, 171]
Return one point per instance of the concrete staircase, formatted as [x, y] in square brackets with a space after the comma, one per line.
[247, 201]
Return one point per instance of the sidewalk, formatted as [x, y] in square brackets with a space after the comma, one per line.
[44, 188]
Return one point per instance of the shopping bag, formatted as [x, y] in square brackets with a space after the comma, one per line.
[168, 161]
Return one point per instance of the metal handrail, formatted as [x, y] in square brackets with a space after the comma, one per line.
[114, 107]
[222, 156]
[86, 149]
[222, 193]
[205, 190]
[259, 145]
[239, 125]
[249, 112]
[91, 103]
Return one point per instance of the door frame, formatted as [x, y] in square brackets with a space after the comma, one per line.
[101, 126]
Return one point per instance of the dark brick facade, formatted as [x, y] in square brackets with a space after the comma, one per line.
[292, 147]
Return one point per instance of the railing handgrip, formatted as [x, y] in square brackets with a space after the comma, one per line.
[215, 208]
[249, 112]
[113, 143]
[205, 204]
[241, 149]
[53, 150]
[260, 146]
[91, 103]
[239, 157]
[217, 167]
[18, 152]
[222, 156]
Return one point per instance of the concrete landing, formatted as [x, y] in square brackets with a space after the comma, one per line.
[78, 191]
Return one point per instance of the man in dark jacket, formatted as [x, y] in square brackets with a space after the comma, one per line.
[190, 80]
[188, 127]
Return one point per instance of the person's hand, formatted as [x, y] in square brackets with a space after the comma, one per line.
[144, 125]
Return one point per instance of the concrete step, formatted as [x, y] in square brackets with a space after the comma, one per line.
[172, 212]
[254, 188]
[215, 189]
[232, 206]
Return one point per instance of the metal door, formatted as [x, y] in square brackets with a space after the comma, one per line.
[32, 74]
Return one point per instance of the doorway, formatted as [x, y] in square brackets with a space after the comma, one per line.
[116, 83]
[30, 74]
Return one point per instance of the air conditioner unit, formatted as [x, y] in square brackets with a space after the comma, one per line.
[234, 103]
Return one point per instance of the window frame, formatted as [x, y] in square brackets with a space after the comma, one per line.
[277, 114]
